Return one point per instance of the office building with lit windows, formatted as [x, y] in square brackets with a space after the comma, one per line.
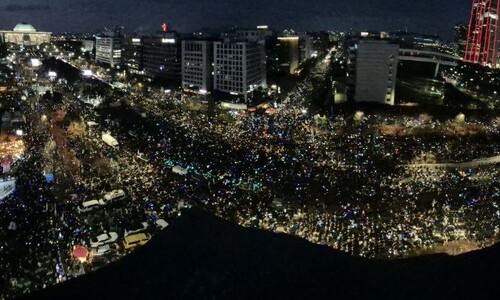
[161, 56]
[483, 35]
[288, 54]
[132, 48]
[197, 65]
[239, 67]
[108, 48]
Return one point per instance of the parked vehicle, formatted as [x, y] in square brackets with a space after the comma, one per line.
[103, 239]
[103, 249]
[90, 205]
[114, 195]
[134, 240]
[161, 223]
[137, 229]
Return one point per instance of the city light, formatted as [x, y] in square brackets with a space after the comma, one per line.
[379, 146]
[288, 38]
[35, 62]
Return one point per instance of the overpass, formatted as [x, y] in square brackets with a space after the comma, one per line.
[428, 56]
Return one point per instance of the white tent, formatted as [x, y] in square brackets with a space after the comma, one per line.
[236, 106]
[108, 139]
[179, 170]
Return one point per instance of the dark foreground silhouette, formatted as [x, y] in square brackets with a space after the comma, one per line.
[200, 256]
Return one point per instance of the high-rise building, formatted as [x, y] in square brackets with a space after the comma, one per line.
[305, 47]
[483, 34]
[460, 38]
[239, 67]
[108, 48]
[288, 54]
[197, 65]
[132, 47]
[162, 56]
[376, 68]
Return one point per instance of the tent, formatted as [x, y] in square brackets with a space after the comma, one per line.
[108, 139]
[179, 170]
[81, 253]
[49, 177]
[236, 106]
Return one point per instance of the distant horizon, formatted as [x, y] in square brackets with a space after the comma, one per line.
[212, 30]
[89, 16]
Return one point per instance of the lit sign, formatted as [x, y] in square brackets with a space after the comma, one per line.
[164, 27]
[262, 27]
[136, 40]
[87, 73]
[52, 74]
[168, 41]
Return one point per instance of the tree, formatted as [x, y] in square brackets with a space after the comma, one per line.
[76, 130]
[3, 50]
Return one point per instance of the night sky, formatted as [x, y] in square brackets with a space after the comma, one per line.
[426, 16]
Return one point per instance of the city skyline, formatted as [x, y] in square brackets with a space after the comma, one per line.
[225, 149]
[185, 16]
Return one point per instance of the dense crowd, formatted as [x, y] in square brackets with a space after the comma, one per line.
[344, 184]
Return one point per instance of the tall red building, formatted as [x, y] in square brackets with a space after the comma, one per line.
[483, 34]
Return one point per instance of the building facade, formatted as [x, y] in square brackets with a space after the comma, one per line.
[305, 47]
[288, 54]
[482, 46]
[25, 34]
[254, 35]
[197, 66]
[88, 45]
[460, 38]
[109, 48]
[376, 69]
[239, 67]
[161, 56]
[133, 55]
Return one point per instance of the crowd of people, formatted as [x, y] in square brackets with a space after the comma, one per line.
[344, 184]
[342, 189]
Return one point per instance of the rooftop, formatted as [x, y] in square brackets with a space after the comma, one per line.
[24, 27]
